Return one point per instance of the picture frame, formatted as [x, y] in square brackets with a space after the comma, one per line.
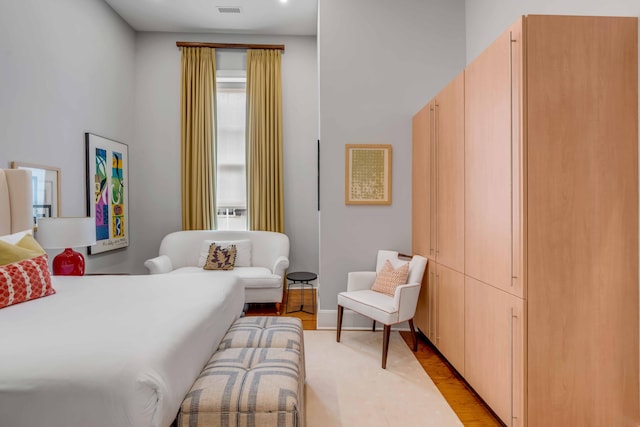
[368, 174]
[45, 185]
[107, 166]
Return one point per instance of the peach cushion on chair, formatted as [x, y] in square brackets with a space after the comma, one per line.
[389, 278]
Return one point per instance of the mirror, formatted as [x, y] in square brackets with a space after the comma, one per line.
[45, 181]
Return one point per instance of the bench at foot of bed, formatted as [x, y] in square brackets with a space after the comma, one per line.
[255, 378]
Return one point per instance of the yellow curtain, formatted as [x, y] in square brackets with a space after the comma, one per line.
[197, 139]
[265, 194]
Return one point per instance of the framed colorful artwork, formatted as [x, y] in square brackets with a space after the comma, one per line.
[108, 192]
[367, 174]
[45, 183]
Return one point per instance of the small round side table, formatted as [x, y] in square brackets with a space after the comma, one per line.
[302, 278]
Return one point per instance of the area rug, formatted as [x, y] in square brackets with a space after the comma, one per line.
[346, 385]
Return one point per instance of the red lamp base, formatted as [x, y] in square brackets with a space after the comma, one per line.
[68, 263]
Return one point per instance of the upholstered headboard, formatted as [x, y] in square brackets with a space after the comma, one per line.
[16, 211]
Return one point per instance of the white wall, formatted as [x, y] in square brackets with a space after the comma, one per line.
[156, 210]
[66, 68]
[379, 63]
[487, 19]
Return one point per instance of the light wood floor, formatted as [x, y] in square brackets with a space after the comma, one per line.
[464, 402]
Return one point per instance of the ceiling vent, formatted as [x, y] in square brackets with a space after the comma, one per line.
[229, 9]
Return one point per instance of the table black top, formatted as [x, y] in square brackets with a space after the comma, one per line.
[301, 276]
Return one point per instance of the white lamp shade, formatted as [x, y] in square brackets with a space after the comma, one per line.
[61, 233]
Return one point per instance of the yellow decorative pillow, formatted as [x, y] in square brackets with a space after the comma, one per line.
[26, 248]
[389, 278]
[220, 258]
[28, 242]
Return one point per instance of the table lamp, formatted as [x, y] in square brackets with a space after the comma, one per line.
[67, 233]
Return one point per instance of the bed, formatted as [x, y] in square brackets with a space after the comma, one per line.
[106, 350]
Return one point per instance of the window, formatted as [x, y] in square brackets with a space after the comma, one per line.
[231, 188]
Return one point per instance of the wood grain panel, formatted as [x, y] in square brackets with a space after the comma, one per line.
[432, 303]
[450, 333]
[488, 166]
[421, 182]
[582, 221]
[494, 341]
[421, 206]
[421, 318]
[518, 159]
[449, 140]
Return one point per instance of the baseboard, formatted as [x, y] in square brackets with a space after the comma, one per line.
[328, 319]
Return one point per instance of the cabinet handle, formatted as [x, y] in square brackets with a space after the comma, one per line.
[511, 41]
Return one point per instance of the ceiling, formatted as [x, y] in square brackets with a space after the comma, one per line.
[273, 17]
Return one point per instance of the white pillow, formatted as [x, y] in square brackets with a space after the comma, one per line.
[243, 251]
[15, 237]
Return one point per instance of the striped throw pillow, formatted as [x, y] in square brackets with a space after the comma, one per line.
[25, 280]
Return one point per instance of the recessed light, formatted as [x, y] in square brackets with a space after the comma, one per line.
[283, 1]
[229, 9]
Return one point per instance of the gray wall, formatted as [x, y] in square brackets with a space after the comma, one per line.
[66, 68]
[156, 210]
[487, 19]
[74, 66]
[379, 63]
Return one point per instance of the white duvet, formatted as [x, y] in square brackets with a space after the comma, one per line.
[111, 351]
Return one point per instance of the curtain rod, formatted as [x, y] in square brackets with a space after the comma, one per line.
[231, 45]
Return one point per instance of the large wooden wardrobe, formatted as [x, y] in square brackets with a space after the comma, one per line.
[525, 201]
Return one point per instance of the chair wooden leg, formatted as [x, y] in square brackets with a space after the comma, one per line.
[340, 310]
[278, 307]
[373, 328]
[414, 335]
[385, 345]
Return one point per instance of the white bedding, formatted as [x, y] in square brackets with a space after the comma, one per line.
[110, 351]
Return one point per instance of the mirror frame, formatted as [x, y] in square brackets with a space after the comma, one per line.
[56, 186]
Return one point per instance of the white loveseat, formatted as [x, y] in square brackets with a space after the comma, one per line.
[262, 273]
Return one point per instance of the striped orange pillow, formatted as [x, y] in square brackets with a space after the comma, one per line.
[389, 278]
[25, 280]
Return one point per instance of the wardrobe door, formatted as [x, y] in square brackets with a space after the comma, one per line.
[450, 313]
[421, 208]
[449, 180]
[494, 348]
[421, 182]
[425, 308]
[582, 221]
[489, 167]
